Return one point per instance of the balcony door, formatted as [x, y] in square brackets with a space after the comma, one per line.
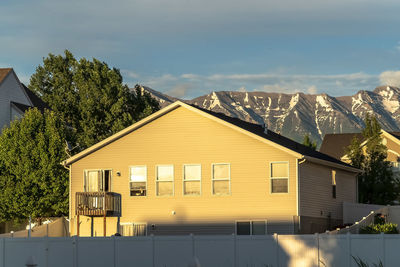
[97, 181]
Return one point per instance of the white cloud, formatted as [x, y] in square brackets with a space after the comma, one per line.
[390, 78]
[179, 91]
[312, 90]
[193, 85]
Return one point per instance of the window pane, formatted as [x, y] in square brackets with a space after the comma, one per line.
[138, 174]
[138, 188]
[191, 188]
[279, 185]
[258, 227]
[279, 169]
[93, 181]
[220, 187]
[221, 171]
[165, 173]
[243, 228]
[126, 229]
[165, 188]
[192, 172]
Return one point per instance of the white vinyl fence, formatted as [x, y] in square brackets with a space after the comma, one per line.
[209, 251]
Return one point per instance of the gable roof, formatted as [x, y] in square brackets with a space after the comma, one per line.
[254, 130]
[335, 145]
[3, 73]
[35, 100]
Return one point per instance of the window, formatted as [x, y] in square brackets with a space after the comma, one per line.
[97, 181]
[165, 180]
[251, 228]
[138, 180]
[191, 179]
[133, 229]
[221, 176]
[333, 183]
[279, 177]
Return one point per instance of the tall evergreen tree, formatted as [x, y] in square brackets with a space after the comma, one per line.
[32, 180]
[376, 184]
[308, 142]
[89, 96]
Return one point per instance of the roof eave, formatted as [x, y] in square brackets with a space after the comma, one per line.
[333, 164]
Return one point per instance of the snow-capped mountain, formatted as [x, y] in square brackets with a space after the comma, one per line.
[294, 115]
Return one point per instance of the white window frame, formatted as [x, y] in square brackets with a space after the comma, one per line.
[251, 225]
[130, 169]
[273, 178]
[173, 179]
[85, 171]
[212, 179]
[133, 223]
[184, 180]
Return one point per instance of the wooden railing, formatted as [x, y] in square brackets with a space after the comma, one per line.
[98, 204]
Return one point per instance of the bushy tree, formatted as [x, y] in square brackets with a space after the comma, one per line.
[89, 96]
[310, 143]
[32, 180]
[376, 184]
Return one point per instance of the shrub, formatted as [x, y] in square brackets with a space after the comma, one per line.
[387, 228]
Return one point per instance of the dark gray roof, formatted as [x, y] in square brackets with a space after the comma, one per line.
[36, 101]
[274, 137]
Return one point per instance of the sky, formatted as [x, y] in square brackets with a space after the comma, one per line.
[188, 48]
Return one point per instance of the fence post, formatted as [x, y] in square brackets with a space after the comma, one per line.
[277, 248]
[383, 249]
[75, 251]
[349, 246]
[153, 252]
[193, 248]
[114, 251]
[3, 253]
[234, 250]
[317, 240]
[46, 250]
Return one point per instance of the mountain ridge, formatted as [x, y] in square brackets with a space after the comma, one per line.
[295, 115]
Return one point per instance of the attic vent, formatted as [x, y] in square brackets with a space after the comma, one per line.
[265, 128]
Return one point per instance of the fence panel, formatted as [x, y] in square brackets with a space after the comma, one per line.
[334, 250]
[298, 250]
[136, 251]
[256, 251]
[20, 251]
[367, 247]
[95, 251]
[173, 251]
[60, 252]
[215, 252]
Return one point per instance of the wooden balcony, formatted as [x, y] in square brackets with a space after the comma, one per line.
[98, 204]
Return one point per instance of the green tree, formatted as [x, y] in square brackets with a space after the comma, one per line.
[89, 96]
[308, 142]
[376, 184]
[32, 180]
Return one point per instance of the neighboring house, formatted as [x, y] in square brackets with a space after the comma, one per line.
[187, 170]
[15, 97]
[336, 145]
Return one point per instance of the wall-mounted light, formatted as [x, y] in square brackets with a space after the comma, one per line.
[118, 173]
[173, 212]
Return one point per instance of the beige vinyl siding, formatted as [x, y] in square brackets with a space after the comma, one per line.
[316, 190]
[185, 137]
[393, 150]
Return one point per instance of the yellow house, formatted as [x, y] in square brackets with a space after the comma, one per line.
[187, 170]
[335, 145]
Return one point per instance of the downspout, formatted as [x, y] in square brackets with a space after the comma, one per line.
[69, 195]
[299, 161]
